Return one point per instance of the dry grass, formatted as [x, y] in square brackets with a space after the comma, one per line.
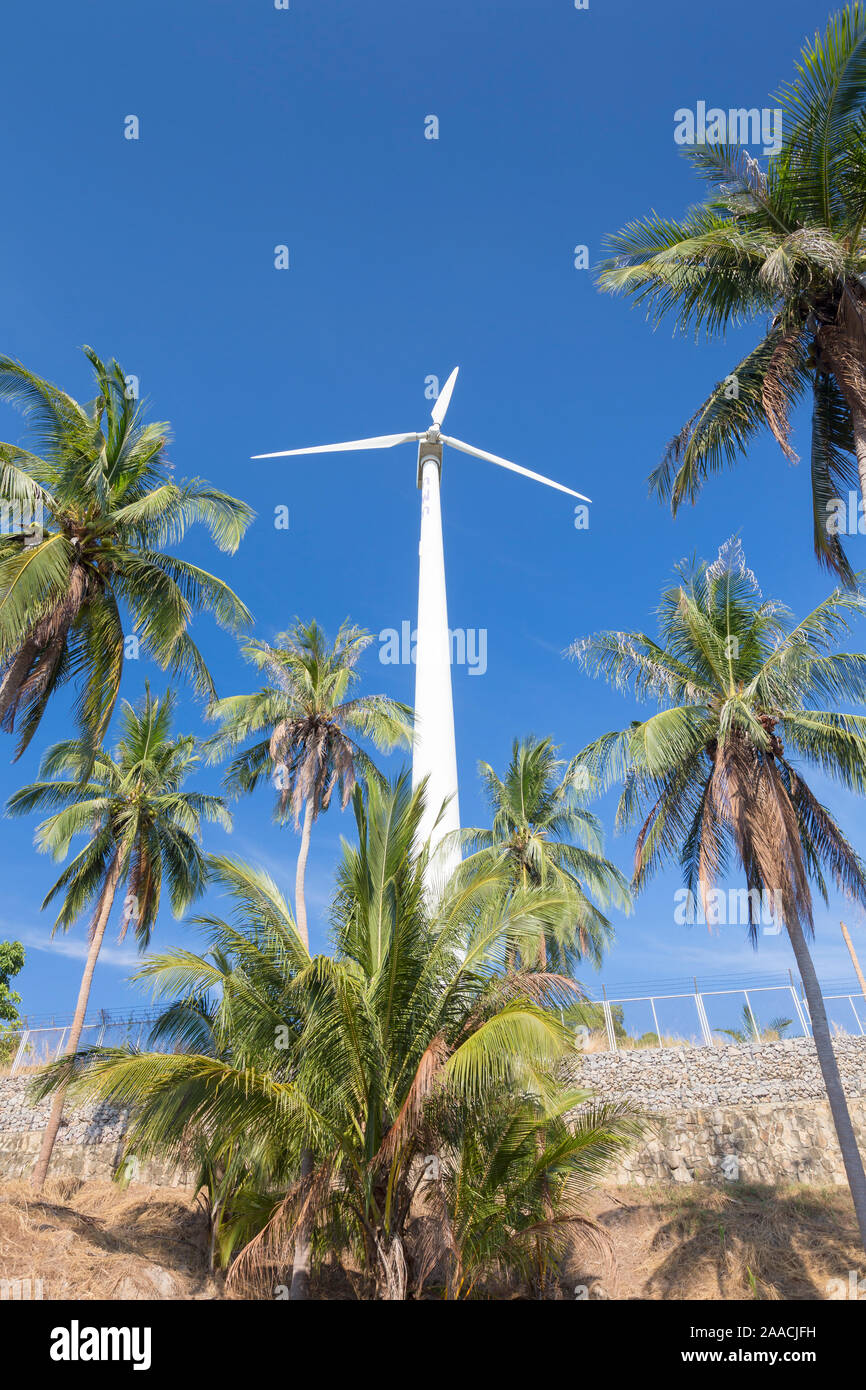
[597, 1042]
[737, 1242]
[93, 1240]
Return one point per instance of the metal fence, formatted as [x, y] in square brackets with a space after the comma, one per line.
[34, 1047]
[711, 1018]
[715, 1017]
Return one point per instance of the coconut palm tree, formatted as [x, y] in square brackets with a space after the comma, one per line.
[512, 1182]
[538, 813]
[240, 1004]
[714, 777]
[311, 720]
[348, 1057]
[89, 516]
[787, 247]
[141, 829]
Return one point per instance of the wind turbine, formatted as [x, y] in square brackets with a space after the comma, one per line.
[434, 753]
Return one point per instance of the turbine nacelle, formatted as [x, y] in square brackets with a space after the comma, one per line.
[430, 439]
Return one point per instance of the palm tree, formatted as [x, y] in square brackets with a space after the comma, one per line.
[90, 514]
[140, 828]
[311, 722]
[11, 961]
[513, 1179]
[309, 717]
[714, 774]
[537, 815]
[748, 1029]
[349, 1057]
[786, 246]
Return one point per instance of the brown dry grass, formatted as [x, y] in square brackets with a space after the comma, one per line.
[702, 1242]
[91, 1240]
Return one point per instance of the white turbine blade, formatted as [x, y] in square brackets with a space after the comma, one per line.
[382, 441]
[437, 414]
[514, 467]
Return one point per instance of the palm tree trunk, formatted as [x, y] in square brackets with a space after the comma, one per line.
[100, 922]
[832, 1080]
[540, 1141]
[842, 350]
[392, 1275]
[858, 420]
[300, 1286]
[300, 900]
[299, 1289]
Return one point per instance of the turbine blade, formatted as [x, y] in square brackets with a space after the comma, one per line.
[514, 467]
[381, 441]
[437, 414]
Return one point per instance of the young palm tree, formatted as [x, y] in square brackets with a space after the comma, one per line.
[92, 511]
[311, 721]
[775, 1030]
[787, 247]
[347, 1057]
[513, 1179]
[537, 815]
[141, 828]
[715, 774]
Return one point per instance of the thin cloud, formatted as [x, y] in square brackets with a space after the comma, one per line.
[76, 948]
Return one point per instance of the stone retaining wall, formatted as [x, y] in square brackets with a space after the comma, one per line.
[755, 1112]
[687, 1078]
[89, 1142]
[766, 1143]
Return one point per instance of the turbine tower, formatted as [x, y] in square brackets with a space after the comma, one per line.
[434, 752]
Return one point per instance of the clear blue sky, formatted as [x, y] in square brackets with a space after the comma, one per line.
[305, 127]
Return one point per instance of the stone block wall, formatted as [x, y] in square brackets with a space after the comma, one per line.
[766, 1143]
[89, 1142]
[756, 1112]
[686, 1078]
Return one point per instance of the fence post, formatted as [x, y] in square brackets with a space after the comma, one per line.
[805, 1021]
[608, 1021]
[656, 1020]
[25, 1033]
[752, 1016]
[706, 1030]
[801, 1016]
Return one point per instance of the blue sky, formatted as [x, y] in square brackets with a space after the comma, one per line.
[306, 128]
